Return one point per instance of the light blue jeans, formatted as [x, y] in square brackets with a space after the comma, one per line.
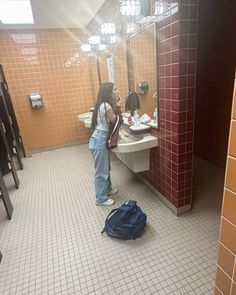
[102, 179]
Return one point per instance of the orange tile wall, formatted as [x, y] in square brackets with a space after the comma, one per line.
[226, 265]
[143, 51]
[102, 59]
[47, 61]
[94, 76]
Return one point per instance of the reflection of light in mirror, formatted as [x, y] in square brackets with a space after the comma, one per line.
[29, 51]
[113, 39]
[130, 8]
[85, 47]
[94, 40]
[164, 8]
[146, 19]
[31, 59]
[108, 28]
[102, 47]
[131, 27]
[24, 38]
[74, 60]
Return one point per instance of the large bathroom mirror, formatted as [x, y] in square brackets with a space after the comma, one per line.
[143, 51]
[130, 63]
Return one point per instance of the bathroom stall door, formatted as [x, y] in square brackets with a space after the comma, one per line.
[10, 134]
[6, 162]
[6, 199]
[3, 158]
[11, 111]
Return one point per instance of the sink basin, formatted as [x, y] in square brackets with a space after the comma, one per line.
[134, 150]
[127, 137]
[88, 122]
[129, 142]
[85, 116]
[139, 127]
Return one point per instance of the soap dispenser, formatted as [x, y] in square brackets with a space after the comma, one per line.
[155, 116]
[136, 118]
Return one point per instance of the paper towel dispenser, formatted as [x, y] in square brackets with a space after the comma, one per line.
[142, 87]
[36, 100]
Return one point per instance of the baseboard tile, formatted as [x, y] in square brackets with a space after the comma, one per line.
[55, 147]
[176, 211]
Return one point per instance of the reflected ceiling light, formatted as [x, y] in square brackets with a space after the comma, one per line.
[102, 47]
[24, 38]
[85, 47]
[108, 28]
[130, 8]
[131, 27]
[160, 7]
[113, 39]
[16, 12]
[29, 51]
[94, 40]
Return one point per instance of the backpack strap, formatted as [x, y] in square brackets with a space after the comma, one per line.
[131, 204]
[112, 211]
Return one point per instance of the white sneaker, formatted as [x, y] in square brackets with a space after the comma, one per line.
[113, 191]
[108, 202]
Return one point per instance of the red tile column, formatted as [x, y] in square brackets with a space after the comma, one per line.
[171, 162]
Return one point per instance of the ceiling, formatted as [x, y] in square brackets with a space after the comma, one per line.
[60, 14]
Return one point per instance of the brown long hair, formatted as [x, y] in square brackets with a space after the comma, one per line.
[104, 95]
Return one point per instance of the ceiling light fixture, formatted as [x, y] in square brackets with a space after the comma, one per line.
[16, 12]
[85, 47]
[108, 28]
[113, 39]
[102, 47]
[161, 7]
[94, 40]
[130, 8]
[131, 27]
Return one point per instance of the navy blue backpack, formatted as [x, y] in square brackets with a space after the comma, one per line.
[126, 222]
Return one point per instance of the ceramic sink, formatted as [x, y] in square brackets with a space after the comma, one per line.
[85, 116]
[88, 122]
[129, 142]
[134, 150]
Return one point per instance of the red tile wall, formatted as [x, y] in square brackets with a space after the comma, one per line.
[171, 162]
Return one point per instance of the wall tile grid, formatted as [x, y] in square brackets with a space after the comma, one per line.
[47, 61]
[102, 59]
[93, 67]
[226, 265]
[171, 163]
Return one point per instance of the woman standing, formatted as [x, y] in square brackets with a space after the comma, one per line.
[103, 113]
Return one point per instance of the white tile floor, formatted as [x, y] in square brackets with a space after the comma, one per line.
[53, 243]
